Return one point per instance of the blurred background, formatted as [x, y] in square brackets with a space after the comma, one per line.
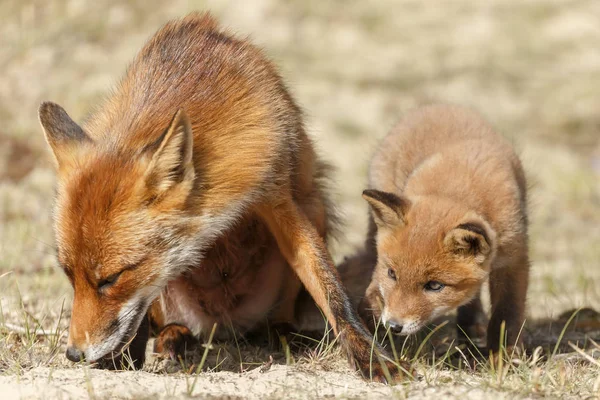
[532, 68]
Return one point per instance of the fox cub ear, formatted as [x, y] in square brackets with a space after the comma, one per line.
[62, 133]
[388, 209]
[471, 239]
[171, 161]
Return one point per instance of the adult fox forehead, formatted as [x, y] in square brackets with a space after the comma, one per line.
[97, 215]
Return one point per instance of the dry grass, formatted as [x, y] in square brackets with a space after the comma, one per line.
[531, 67]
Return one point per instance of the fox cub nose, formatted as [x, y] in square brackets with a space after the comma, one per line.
[75, 355]
[395, 327]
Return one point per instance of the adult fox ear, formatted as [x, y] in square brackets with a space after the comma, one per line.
[473, 239]
[62, 133]
[171, 162]
[388, 209]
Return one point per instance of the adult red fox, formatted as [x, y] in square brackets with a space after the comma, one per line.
[448, 202]
[194, 190]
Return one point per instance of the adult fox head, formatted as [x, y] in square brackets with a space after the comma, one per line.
[432, 256]
[120, 223]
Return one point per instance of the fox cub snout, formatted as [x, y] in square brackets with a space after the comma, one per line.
[448, 212]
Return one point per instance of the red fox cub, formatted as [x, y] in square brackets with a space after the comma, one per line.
[448, 211]
[195, 192]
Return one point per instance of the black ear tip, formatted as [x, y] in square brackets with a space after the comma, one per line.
[382, 197]
[46, 105]
[48, 108]
[476, 228]
[369, 193]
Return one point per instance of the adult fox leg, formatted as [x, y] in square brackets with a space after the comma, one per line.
[305, 251]
[173, 339]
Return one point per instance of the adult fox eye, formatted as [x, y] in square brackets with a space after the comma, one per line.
[108, 281]
[392, 274]
[434, 286]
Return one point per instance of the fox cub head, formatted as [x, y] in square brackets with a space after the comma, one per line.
[432, 256]
[120, 225]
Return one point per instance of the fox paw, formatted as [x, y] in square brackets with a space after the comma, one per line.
[508, 354]
[382, 370]
[173, 341]
[372, 360]
[467, 355]
[473, 335]
[374, 364]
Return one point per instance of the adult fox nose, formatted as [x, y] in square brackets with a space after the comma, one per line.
[395, 327]
[74, 354]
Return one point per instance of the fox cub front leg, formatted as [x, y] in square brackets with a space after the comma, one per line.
[305, 251]
[471, 322]
[508, 291]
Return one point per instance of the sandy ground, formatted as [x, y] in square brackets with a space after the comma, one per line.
[532, 68]
[278, 382]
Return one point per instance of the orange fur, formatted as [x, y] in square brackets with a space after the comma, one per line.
[449, 207]
[194, 183]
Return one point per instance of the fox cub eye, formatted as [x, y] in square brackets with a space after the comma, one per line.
[392, 274]
[108, 281]
[434, 286]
